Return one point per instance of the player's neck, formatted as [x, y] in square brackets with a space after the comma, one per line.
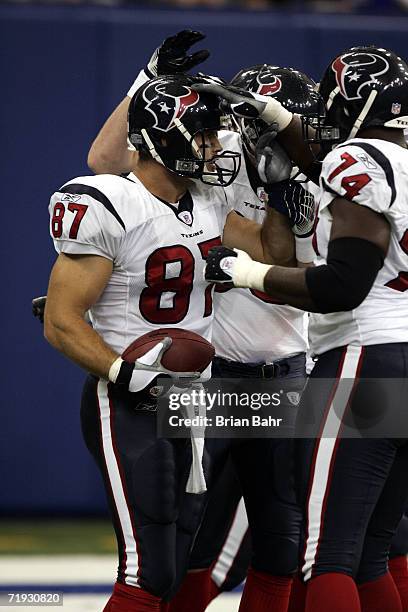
[160, 182]
[390, 134]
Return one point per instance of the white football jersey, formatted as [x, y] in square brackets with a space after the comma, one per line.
[158, 252]
[371, 173]
[249, 326]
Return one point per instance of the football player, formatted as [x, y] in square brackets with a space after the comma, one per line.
[132, 251]
[353, 490]
[277, 353]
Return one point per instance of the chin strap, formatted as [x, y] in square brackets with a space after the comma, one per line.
[364, 112]
[151, 148]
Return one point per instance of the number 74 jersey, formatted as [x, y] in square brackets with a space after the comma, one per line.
[374, 174]
[158, 251]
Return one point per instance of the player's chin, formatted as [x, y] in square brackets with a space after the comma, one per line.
[211, 167]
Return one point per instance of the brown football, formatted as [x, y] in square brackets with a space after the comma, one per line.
[189, 352]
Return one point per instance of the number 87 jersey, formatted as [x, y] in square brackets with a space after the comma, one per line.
[158, 251]
[371, 173]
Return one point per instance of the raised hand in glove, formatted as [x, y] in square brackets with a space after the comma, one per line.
[247, 105]
[131, 376]
[172, 56]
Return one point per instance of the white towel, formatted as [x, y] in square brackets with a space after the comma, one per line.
[196, 481]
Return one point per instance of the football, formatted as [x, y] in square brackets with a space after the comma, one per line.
[189, 352]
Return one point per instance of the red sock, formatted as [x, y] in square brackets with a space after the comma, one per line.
[332, 593]
[194, 593]
[380, 595]
[214, 590]
[264, 592]
[297, 601]
[127, 598]
[398, 568]
[164, 607]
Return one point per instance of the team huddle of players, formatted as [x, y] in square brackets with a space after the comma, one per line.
[179, 203]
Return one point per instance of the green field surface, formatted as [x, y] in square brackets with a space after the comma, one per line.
[56, 537]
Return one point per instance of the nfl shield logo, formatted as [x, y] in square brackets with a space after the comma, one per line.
[396, 108]
[186, 217]
[293, 397]
[262, 195]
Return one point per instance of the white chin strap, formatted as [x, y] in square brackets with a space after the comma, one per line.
[182, 130]
[188, 137]
[364, 112]
[151, 148]
[331, 97]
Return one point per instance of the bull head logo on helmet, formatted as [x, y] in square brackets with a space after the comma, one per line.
[355, 70]
[268, 85]
[166, 107]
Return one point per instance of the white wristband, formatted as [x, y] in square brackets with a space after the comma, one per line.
[141, 79]
[249, 273]
[274, 112]
[114, 369]
[305, 252]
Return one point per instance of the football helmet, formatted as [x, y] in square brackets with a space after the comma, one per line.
[169, 120]
[364, 87]
[292, 88]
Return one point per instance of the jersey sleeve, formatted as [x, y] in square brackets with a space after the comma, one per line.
[84, 221]
[360, 173]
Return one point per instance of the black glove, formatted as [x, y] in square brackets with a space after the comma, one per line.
[172, 57]
[247, 105]
[218, 265]
[241, 102]
[294, 201]
[38, 307]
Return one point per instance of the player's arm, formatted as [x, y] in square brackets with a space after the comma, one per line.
[356, 193]
[272, 242]
[358, 245]
[109, 152]
[76, 283]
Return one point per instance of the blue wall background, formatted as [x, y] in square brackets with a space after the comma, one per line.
[63, 70]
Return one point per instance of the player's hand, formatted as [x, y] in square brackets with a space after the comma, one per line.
[38, 307]
[272, 161]
[225, 265]
[152, 362]
[247, 105]
[172, 56]
[294, 201]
